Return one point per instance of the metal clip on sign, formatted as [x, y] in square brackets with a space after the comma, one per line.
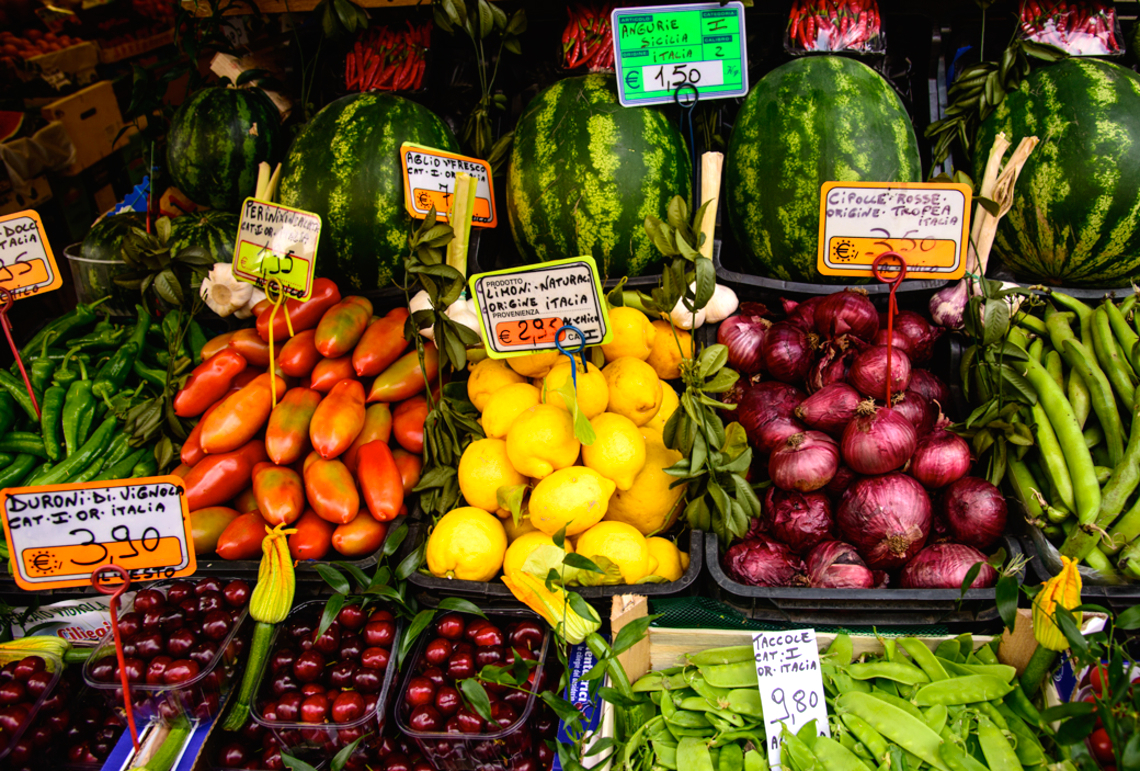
[687, 107]
[892, 304]
[6, 303]
[570, 354]
[116, 592]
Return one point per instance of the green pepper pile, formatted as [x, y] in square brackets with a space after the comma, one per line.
[100, 386]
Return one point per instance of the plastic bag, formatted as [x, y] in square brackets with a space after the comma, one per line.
[1078, 27]
[588, 40]
[834, 25]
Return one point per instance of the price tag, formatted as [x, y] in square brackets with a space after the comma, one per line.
[791, 687]
[27, 265]
[58, 535]
[658, 49]
[429, 179]
[277, 242]
[521, 309]
[927, 223]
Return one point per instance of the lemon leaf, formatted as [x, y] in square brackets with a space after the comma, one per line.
[510, 497]
[583, 431]
[735, 441]
[609, 575]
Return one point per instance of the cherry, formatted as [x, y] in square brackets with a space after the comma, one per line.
[129, 623]
[352, 617]
[487, 635]
[488, 655]
[130, 650]
[461, 666]
[450, 625]
[312, 689]
[152, 619]
[309, 666]
[283, 683]
[435, 674]
[370, 700]
[544, 723]
[397, 761]
[347, 707]
[289, 706]
[351, 646]
[516, 698]
[190, 610]
[447, 700]
[437, 651]
[366, 680]
[181, 671]
[375, 658]
[21, 752]
[424, 718]
[236, 593]
[12, 692]
[349, 735]
[300, 630]
[216, 625]
[503, 715]
[282, 659]
[468, 721]
[526, 634]
[463, 647]
[103, 670]
[341, 674]
[149, 645]
[28, 666]
[474, 626]
[526, 763]
[135, 669]
[172, 619]
[422, 765]
[329, 642]
[233, 755]
[208, 601]
[315, 708]
[207, 585]
[204, 653]
[156, 670]
[379, 633]
[419, 691]
[271, 760]
[381, 614]
[12, 717]
[544, 755]
[59, 722]
[149, 599]
[179, 643]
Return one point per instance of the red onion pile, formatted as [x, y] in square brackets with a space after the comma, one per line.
[859, 487]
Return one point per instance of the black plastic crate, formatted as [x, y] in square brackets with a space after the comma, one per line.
[858, 607]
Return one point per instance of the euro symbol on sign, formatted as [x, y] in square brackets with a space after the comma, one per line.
[424, 200]
[505, 337]
[42, 561]
[632, 79]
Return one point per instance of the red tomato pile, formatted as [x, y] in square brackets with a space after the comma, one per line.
[1099, 742]
[336, 455]
[32, 42]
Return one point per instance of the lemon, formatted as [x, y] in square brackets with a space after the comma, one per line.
[593, 393]
[684, 561]
[504, 406]
[618, 451]
[515, 531]
[574, 497]
[540, 440]
[468, 544]
[483, 469]
[534, 364]
[522, 547]
[632, 335]
[649, 505]
[487, 378]
[622, 545]
[666, 354]
[635, 389]
[668, 558]
[669, 404]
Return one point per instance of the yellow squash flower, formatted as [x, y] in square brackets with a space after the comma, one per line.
[1064, 590]
[553, 606]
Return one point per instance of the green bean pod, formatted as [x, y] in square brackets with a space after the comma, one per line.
[1032, 323]
[1053, 365]
[1024, 485]
[996, 749]
[1104, 345]
[1103, 402]
[896, 725]
[1124, 531]
[1129, 560]
[1125, 335]
[1052, 457]
[1078, 394]
[1116, 493]
[1035, 349]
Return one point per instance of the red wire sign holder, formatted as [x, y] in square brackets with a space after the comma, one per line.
[116, 593]
[892, 304]
[6, 303]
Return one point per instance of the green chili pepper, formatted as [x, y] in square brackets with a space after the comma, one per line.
[14, 472]
[82, 458]
[120, 448]
[78, 402]
[87, 474]
[147, 467]
[123, 468]
[18, 391]
[5, 459]
[155, 377]
[113, 375]
[101, 339]
[7, 412]
[63, 328]
[50, 417]
[23, 442]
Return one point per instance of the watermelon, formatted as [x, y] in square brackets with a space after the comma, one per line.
[217, 139]
[104, 241]
[813, 120]
[103, 244]
[585, 172]
[215, 231]
[1075, 218]
[345, 166]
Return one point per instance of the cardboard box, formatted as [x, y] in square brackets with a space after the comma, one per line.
[32, 195]
[92, 120]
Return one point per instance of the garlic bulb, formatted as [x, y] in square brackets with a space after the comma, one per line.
[223, 293]
[721, 305]
[461, 311]
[683, 318]
[245, 311]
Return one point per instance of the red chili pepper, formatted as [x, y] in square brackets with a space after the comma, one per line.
[418, 80]
[810, 33]
[370, 73]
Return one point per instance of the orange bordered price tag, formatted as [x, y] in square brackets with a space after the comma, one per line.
[277, 242]
[926, 223]
[27, 265]
[521, 309]
[58, 535]
[429, 180]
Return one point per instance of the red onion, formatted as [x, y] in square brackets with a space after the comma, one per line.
[939, 530]
[765, 410]
[917, 409]
[802, 314]
[975, 511]
[833, 363]
[869, 372]
[878, 440]
[948, 306]
[944, 566]
[919, 331]
[787, 352]
[744, 337]
[836, 565]
[887, 518]
[900, 341]
[761, 561]
[843, 478]
[830, 409]
[805, 462]
[847, 313]
[799, 520]
[940, 458]
[930, 386]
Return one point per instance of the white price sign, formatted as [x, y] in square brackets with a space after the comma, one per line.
[791, 687]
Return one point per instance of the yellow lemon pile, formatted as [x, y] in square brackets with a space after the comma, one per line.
[609, 497]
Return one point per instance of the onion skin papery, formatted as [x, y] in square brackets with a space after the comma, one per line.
[940, 458]
[878, 440]
[886, 518]
[761, 561]
[944, 566]
[805, 462]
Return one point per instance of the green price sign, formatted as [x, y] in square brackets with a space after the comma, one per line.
[661, 50]
[277, 243]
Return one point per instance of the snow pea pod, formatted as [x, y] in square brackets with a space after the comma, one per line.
[666, 754]
[895, 701]
[795, 753]
[841, 650]
[731, 758]
[755, 761]
[958, 759]
[746, 701]
[895, 671]
[936, 717]
[867, 736]
[996, 749]
[895, 724]
[924, 658]
[693, 755]
[836, 757]
[732, 654]
[967, 689]
[737, 675]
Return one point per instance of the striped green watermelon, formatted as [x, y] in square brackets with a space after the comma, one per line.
[1075, 218]
[103, 244]
[215, 231]
[345, 166]
[585, 173]
[104, 241]
[216, 141]
[813, 120]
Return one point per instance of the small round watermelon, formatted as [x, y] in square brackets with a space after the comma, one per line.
[104, 244]
[345, 166]
[585, 173]
[213, 230]
[813, 120]
[104, 241]
[1074, 219]
[217, 139]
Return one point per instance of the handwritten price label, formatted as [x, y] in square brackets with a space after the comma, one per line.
[791, 687]
[429, 180]
[277, 242]
[58, 535]
[927, 223]
[27, 265]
